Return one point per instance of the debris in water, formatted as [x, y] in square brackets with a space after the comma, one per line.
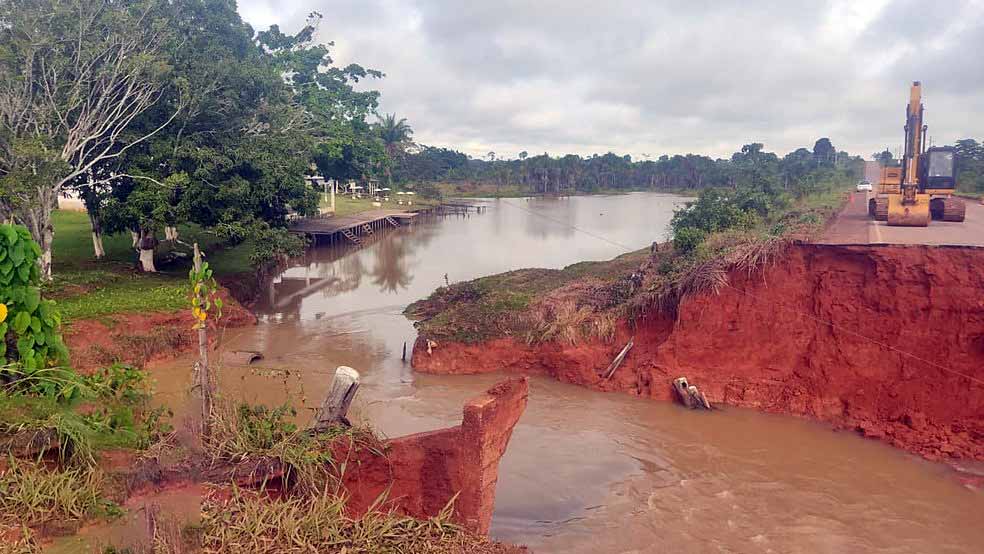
[244, 357]
[689, 395]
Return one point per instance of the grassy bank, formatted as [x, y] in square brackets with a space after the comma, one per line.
[472, 190]
[346, 205]
[85, 287]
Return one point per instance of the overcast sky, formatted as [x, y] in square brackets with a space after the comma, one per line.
[658, 77]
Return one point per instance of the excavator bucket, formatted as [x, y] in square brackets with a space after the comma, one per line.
[908, 215]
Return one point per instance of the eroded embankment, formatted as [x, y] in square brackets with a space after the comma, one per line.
[887, 340]
[138, 338]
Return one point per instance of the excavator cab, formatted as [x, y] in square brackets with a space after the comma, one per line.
[937, 178]
[938, 170]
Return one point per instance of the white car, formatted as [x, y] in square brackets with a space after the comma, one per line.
[864, 186]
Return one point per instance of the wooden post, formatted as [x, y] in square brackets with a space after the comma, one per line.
[336, 404]
[618, 360]
[203, 371]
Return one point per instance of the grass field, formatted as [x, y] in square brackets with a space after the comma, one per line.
[346, 205]
[88, 288]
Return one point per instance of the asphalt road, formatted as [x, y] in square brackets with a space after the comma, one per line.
[853, 226]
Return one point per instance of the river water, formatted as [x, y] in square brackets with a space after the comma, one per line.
[586, 471]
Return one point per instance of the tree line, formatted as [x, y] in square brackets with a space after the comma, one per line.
[544, 174]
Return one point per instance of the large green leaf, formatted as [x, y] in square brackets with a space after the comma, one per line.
[6, 266]
[8, 233]
[25, 344]
[32, 298]
[17, 253]
[24, 272]
[21, 322]
[45, 310]
[16, 294]
[36, 325]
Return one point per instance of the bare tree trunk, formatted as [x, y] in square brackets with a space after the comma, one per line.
[170, 233]
[37, 219]
[97, 242]
[148, 243]
[135, 238]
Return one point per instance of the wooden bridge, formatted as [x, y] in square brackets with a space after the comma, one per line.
[352, 229]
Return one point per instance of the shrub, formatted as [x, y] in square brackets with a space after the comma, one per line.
[687, 239]
[29, 325]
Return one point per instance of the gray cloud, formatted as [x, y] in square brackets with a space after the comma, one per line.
[658, 77]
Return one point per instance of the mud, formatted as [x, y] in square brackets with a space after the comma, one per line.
[141, 338]
[887, 341]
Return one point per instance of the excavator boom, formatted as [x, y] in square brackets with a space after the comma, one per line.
[911, 207]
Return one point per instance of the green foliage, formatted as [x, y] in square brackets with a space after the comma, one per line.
[243, 432]
[33, 495]
[248, 522]
[267, 244]
[122, 293]
[686, 239]
[970, 166]
[108, 408]
[204, 295]
[29, 326]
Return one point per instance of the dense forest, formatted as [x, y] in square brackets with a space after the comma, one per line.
[970, 165]
[796, 171]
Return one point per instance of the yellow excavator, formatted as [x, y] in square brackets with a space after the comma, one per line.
[922, 187]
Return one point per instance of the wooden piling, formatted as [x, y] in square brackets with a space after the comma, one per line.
[335, 406]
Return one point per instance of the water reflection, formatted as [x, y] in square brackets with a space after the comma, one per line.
[406, 264]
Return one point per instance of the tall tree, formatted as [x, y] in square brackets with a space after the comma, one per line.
[824, 152]
[395, 134]
[885, 158]
[74, 77]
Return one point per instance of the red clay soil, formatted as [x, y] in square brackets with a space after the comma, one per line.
[885, 340]
[419, 474]
[139, 338]
[422, 473]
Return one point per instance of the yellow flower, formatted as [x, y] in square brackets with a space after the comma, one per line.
[3, 312]
[199, 314]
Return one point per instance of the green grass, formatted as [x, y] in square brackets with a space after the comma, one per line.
[72, 249]
[80, 296]
[497, 305]
[88, 288]
[31, 494]
[346, 205]
[245, 521]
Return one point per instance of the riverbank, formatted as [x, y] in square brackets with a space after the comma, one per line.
[861, 338]
[485, 190]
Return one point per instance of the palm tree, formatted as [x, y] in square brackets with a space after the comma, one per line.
[395, 134]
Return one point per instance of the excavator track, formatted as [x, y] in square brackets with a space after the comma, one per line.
[954, 209]
[881, 209]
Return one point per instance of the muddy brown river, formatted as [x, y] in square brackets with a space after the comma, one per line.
[586, 471]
